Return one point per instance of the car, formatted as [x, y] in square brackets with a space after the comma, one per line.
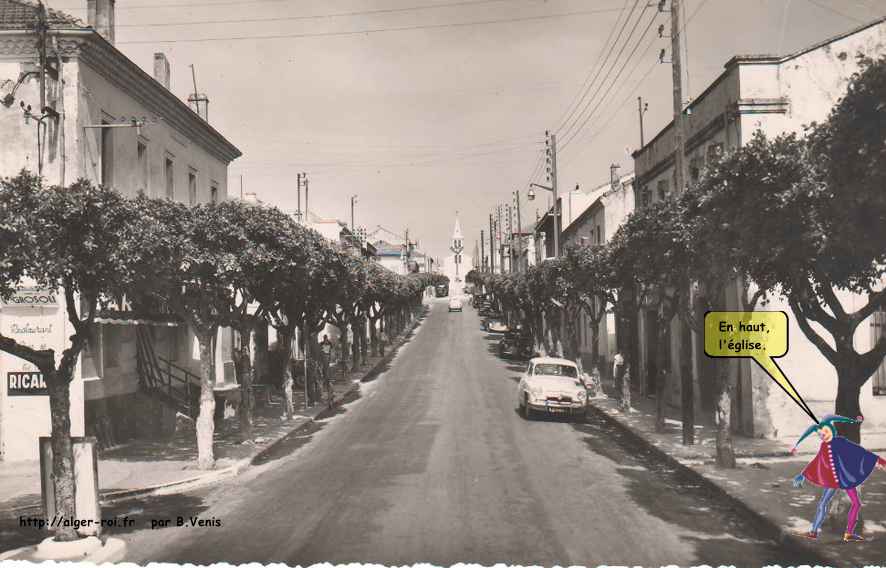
[552, 386]
[515, 344]
[496, 326]
[455, 305]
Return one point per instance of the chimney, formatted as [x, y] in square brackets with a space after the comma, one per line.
[101, 17]
[161, 69]
[614, 178]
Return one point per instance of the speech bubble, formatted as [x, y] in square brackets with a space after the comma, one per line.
[761, 336]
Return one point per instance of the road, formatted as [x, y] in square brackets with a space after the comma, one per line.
[433, 464]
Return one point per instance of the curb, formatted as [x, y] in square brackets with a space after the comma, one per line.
[783, 536]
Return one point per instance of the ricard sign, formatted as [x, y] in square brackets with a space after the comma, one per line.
[26, 384]
[31, 298]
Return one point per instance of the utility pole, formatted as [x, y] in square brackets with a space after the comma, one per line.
[551, 151]
[510, 239]
[491, 246]
[298, 183]
[687, 387]
[406, 253]
[642, 108]
[519, 235]
[353, 199]
[482, 251]
[305, 178]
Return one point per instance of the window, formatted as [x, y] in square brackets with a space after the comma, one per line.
[662, 188]
[213, 192]
[646, 196]
[107, 155]
[192, 187]
[694, 169]
[599, 238]
[170, 178]
[878, 330]
[142, 154]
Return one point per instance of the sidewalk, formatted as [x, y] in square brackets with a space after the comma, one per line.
[145, 467]
[761, 484]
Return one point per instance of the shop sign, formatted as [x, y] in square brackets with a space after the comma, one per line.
[25, 383]
[31, 298]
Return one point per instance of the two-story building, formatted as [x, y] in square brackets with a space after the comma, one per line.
[110, 122]
[774, 94]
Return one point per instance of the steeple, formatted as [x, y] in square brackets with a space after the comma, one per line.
[456, 234]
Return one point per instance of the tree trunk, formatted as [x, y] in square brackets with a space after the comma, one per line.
[355, 351]
[847, 403]
[343, 348]
[723, 414]
[284, 338]
[687, 387]
[62, 450]
[662, 381]
[246, 373]
[625, 402]
[205, 420]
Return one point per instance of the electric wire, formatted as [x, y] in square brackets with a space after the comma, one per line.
[374, 30]
[570, 132]
[599, 65]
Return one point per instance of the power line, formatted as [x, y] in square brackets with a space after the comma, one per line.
[834, 11]
[566, 132]
[585, 85]
[375, 30]
[315, 16]
[575, 133]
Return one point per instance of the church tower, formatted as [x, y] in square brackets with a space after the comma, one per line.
[456, 265]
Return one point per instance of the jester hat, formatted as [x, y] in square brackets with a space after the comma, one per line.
[827, 422]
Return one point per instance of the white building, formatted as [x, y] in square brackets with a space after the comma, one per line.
[457, 264]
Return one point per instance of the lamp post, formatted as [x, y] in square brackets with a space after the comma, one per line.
[531, 196]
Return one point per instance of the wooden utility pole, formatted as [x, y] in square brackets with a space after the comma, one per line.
[686, 379]
[519, 235]
[482, 251]
[642, 108]
[491, 246]
[298, 183]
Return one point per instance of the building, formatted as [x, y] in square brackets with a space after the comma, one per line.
[772, 94]
[609, 206]
[112, 123]
[457, 264]
[400, 258]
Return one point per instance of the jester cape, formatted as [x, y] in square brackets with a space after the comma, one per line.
[839, 464]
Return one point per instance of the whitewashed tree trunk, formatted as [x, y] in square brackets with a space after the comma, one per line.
[206, 418]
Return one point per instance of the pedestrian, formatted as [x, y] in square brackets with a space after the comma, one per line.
[326, 350]
[618, 367]
[839, 464]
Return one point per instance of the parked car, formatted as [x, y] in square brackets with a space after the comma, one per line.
[455, 305]
[515, 344]
[551, 386]
[496, 326]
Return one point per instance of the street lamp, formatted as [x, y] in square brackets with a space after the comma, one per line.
[531, 196]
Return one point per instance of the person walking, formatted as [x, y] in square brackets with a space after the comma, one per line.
[326, 350]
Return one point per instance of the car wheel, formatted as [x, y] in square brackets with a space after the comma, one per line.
[528, 414]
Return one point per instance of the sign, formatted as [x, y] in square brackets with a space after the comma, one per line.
[32, 298]
[26, 383]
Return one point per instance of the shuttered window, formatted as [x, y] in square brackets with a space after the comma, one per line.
[878, 330]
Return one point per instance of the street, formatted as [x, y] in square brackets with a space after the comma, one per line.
[433, 464]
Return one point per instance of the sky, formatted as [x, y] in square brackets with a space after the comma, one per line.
[425, 108]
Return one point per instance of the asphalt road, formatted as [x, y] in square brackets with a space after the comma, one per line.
[433, 464]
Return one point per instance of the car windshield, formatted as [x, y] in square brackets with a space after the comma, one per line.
[555, 369]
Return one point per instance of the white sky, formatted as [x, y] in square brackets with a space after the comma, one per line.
[423, 122]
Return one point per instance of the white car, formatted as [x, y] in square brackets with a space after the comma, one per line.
[455, 305]
[552, 386]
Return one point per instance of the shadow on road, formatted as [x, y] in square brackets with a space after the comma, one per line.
[720, 533]
[141, 513]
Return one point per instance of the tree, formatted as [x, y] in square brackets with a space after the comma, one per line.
[596, 289]
[79, 240]
[652, 251]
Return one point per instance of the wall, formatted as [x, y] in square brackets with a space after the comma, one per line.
[23, 419]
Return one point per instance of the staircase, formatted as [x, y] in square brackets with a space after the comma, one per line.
[165, 380]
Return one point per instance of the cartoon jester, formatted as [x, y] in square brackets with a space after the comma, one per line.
[839, 464]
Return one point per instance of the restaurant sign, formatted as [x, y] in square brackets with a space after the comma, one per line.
[25, 383]
[31, 298]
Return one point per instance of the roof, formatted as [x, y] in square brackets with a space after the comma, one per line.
[384, 248]
[456, 233]
[22, 15]
[554, 360]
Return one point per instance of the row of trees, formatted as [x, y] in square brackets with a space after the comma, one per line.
[221, 265]
[801, 217]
